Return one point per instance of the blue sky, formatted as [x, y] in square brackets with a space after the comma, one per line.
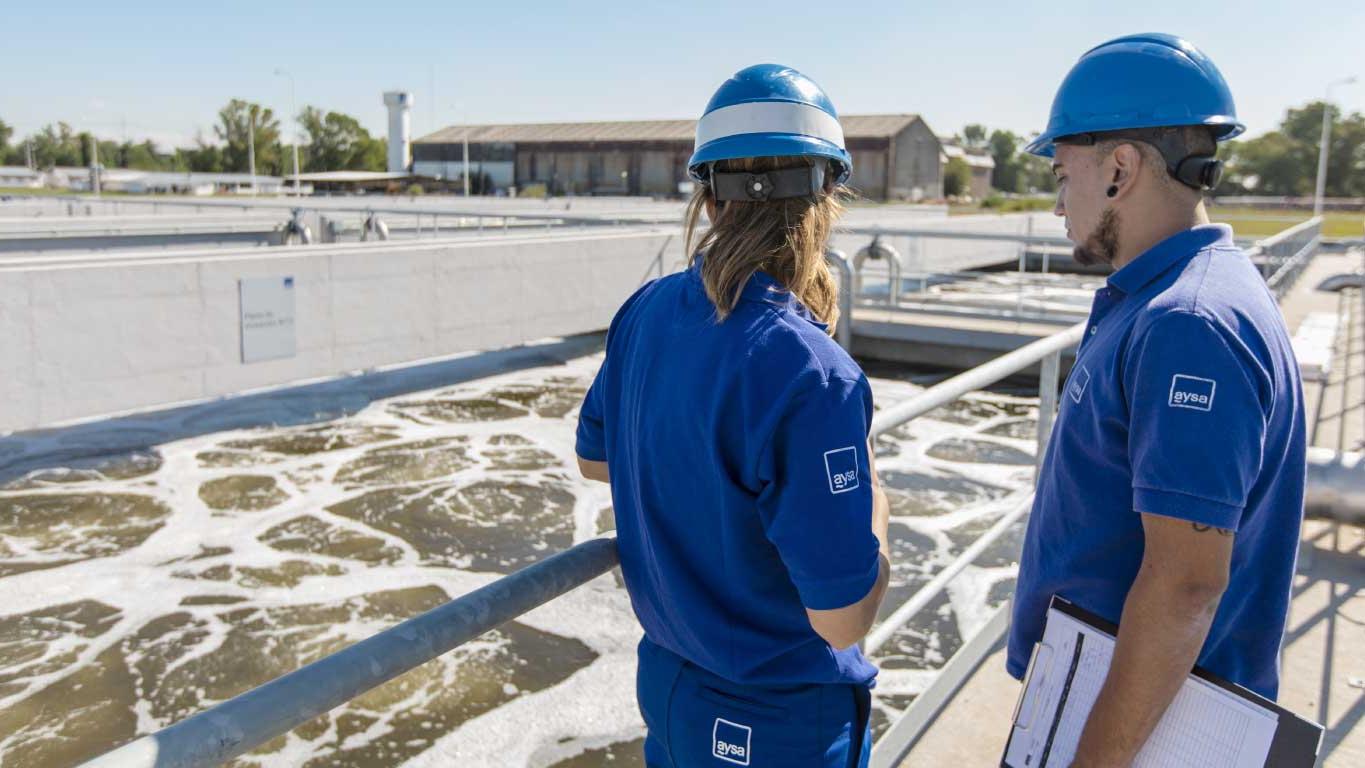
[162, 69]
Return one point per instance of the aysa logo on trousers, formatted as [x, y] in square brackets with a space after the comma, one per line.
[842, 466]
[1192, 392]
[730, 741]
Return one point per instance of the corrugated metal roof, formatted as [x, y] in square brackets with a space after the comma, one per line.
[350, 176]
[855, 127]
[971, 158]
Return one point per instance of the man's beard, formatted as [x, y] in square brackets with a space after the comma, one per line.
[1102, 247]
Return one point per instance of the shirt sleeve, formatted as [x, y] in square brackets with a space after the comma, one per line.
[1197, 422]
[590, 441]
[817, 504]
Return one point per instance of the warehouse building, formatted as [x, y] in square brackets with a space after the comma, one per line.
[895, 157]
[980, 164]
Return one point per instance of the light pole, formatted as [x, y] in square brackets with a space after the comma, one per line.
[465, 142]
[95, 164]
[298, 130]
[1326, 138]
[251, 146]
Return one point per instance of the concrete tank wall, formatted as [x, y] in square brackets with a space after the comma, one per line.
[92, 339]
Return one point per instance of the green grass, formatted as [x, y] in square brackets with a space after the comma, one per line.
[1260, 222]
[1246, 222]
[1002, 205]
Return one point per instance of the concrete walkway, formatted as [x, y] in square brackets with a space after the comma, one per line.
[1335, 408]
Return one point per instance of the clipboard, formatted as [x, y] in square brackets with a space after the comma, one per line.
[1212, 723]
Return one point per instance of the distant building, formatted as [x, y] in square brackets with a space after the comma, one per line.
[894, 156]
[981, 166]
[356, 181]
[19, 176]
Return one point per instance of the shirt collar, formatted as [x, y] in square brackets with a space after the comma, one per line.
[1175, 249]
[764, 288]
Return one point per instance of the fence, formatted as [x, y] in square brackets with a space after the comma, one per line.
[242, 723]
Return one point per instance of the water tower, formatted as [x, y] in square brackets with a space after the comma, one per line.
[400, 129]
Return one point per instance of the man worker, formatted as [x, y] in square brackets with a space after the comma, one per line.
[1171, 494]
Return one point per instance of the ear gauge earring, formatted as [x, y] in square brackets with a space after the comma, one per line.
[1112, 191]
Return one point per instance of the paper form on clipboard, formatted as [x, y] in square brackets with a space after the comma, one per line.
[1211, 723]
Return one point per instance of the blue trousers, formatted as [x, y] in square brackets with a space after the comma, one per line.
[695, 718]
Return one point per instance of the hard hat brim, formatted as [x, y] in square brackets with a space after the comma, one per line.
[767, 145]
[1225, 127]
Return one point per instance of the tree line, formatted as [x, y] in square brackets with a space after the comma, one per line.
[1282, 162]
[333, 142]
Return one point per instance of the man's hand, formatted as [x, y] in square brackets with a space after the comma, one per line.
[1165, 621]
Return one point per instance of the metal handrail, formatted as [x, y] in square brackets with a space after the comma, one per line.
[981, 376]
[258, 204]
[926, 594]
[953, 234]
[1286, 269]
[843, 329]
[243, 722]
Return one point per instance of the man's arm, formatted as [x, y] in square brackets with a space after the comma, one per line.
[1165, 621]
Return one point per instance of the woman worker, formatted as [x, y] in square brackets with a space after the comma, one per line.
[734, 433]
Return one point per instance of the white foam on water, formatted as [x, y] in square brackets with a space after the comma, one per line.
[591, 708]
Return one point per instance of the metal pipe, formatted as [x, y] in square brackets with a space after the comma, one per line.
[976, 378]
[926, 594]
[244, 722]
[1336, 484]
[1047, 406]
[947, 234]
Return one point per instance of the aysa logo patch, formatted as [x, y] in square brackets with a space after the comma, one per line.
[1079, 380]
[1192, 392]
[730, 741]
[842, 466]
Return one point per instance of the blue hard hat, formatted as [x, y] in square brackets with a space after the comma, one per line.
[1140, 81]
[768, 110]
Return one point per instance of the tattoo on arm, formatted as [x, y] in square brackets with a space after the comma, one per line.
[1200, 527]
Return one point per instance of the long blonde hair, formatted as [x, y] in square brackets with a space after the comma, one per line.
[785, 238]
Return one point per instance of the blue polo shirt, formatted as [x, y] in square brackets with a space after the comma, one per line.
[738, 460]
[1185, 402]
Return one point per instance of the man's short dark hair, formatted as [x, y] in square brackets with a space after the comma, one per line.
[1165, 148]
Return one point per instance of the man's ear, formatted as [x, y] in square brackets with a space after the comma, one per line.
[1123, 166]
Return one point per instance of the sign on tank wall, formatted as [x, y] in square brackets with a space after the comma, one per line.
[267, 318]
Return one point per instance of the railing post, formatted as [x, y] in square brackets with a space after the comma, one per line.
[844, 330]
[1048, 375]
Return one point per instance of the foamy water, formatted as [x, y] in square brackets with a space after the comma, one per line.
[145, 589]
